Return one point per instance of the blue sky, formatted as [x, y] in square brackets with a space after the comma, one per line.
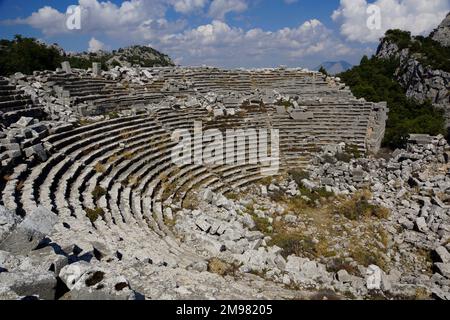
[225, 33]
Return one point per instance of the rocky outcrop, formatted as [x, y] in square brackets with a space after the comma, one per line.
[442, 33]
[420, 82]
[143, 56]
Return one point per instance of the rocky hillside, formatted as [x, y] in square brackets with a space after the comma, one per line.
[127, 57]
[26, 55]
[442, 33]
[423, 64]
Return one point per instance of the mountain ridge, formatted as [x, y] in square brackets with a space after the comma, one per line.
[335, 67]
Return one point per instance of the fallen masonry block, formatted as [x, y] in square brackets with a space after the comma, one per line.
[66, 67]
[444, 269]
[420, 139]
[36, 150]
[8, 220]
[96, 69]
[42, 285]
[87, 282]
[24, 122]
[443, 254]
[29, 233]
[48, 260]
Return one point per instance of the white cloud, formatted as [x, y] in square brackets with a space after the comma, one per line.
[219, 8]
[47, 19]
[215, 43]
[219, 44]
[133, 19]
[188, 6]
[417, 16]
[96, 45]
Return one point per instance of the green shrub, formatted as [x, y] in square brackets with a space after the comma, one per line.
[294, 243]
[366, 256]
[277, 195]
[261, 224]
[337, 263]
[323, 71]
[94, 214]
[298, 175]
[284, 103]
[374, 80]
[353, 150]
[26, 55]
[98, 192]
[113, 115]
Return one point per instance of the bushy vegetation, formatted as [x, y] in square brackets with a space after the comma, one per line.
[26, 55]
[298, 175]
[374, 80]
[323, 70]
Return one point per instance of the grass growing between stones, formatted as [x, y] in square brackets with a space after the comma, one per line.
[262, 224]
[94, 214]
[191, 202]
[222, 268]
[99, 168]
[337, 231]
[98, 192]
[358, 206]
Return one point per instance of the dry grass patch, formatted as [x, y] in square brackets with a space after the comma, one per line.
[358, 207]
[99, 168]
[220, 267]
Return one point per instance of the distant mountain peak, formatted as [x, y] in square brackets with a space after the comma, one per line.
[335, 67]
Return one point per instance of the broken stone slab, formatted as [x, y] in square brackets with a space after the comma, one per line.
[48, 260]
[7, 294]
[8, 220]
[373, 277]
[304, 271]
[40, 284]
[443, 254]
[37, 150]
[29, 233]
[207, 195]
[376, 279]
[202, 224]
[70, 274]
[309, 184]
[24, 122]
[96, 69]
[101, 285]
[65, 65]
[421, 224]
[254, 235]
[420, 139]
[443, 268]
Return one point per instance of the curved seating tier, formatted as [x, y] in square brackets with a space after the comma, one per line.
[14, 104]
[116, 180]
